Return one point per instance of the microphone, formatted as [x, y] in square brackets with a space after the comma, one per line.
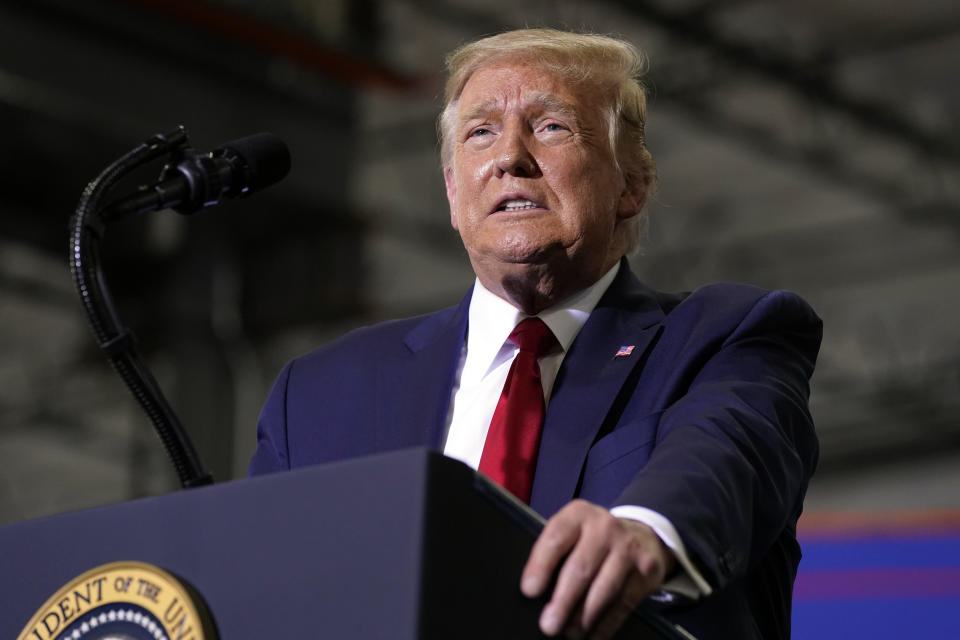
[198, 181]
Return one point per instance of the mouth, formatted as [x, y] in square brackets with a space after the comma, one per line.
[510, 205]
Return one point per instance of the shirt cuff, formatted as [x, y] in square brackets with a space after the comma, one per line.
[690, 582]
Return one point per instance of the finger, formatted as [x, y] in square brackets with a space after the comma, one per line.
[555, 541]
[575, 577]
[631, 571]
[605, 590]
[652, 558]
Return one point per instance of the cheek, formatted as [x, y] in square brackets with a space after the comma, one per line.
[478, 173]
[582, 191]
[470, 179]
[602, 185]
[463, 212]
[572, 172]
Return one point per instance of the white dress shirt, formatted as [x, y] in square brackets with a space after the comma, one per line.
[484, 364]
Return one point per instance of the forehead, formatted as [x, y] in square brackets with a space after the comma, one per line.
[509, 85]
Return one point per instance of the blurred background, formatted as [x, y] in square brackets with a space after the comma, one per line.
[811, 145]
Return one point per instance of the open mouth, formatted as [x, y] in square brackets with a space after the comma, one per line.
[518, 204]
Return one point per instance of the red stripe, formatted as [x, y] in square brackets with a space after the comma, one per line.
[852, 524]
[258, 34]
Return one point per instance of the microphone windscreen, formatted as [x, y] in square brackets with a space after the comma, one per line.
[266, 156]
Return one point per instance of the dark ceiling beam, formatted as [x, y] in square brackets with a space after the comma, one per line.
[829, 256]
[157, 42]
[900, 41]
[826, 160]
[160, 25]
[271, 40]
[810, 78]
[473, 23]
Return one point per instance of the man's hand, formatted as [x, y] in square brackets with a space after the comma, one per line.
[609, 566]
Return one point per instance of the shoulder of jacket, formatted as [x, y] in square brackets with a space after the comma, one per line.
[372, 341]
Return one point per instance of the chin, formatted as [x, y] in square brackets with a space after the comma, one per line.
[522, 249]
[529, 256]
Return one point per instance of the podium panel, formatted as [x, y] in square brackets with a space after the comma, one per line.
[405, 545]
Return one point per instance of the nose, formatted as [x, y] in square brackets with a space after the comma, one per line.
[514, 157]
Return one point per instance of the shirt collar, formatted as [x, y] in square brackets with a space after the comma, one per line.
[491, 319]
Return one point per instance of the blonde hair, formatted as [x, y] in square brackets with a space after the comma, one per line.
[610, 65]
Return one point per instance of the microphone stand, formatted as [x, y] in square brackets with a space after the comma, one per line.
[87, 227]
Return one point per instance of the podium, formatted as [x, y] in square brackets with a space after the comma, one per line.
[404, 545]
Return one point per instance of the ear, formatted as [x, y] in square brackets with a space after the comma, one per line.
[451, 185]
[634, 194]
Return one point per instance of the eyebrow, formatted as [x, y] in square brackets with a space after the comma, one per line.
[545, 101]
[550, 102]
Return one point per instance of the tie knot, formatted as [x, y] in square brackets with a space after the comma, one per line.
[533, 335]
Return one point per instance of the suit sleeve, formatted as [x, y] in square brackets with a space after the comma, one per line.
[272, 452]
[735, 451]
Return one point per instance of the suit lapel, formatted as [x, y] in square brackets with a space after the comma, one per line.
[413, 390]
[588, 383]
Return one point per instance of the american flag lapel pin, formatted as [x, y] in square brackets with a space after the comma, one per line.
[624, 351]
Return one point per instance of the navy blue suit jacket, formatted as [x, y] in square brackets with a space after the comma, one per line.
[706, 422]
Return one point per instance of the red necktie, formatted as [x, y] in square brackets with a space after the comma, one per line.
[510, 450]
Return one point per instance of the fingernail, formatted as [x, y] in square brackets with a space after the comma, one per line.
[549, 622]
[530, 585]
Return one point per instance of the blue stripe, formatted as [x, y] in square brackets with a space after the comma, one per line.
[861, 553]
[876, 619]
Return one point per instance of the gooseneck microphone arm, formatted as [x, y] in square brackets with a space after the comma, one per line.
[196, 181]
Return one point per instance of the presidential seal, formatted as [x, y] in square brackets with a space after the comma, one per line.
[122, 601]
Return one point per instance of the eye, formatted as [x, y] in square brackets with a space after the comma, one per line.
[554, 127]
[479, 131]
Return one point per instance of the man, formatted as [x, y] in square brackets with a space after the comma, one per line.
[676, 444]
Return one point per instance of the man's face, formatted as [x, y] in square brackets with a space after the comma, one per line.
[533, 178]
